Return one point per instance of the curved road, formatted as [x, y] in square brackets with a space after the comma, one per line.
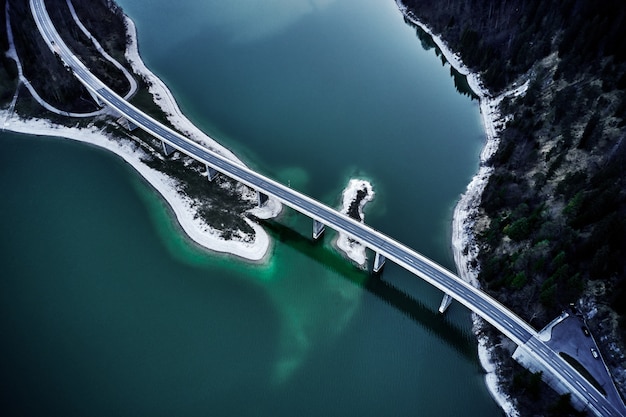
[474, 299]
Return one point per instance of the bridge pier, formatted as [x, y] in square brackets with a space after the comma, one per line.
[445, 303]
[95, 98]
[261, 198]
[318, 229]
[167, 148]
[211, 173]
[126, 124]
[379, 262]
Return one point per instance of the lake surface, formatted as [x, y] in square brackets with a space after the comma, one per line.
[106, 308]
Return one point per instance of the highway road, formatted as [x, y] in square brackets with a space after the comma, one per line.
[476, 300]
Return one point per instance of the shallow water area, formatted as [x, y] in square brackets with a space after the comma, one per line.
[108, 303]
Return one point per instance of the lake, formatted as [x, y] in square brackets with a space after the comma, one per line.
[108, 309]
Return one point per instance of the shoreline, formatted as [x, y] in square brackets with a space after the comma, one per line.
[466, 211]
[249, 247]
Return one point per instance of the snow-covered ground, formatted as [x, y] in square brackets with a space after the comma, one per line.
[464, 244]
[352, 248]
[246, 246]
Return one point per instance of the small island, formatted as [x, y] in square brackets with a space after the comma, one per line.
[355, 196]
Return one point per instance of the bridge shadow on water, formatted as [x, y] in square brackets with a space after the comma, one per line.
[435, 323]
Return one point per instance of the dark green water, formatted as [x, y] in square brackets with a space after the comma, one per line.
[106, 309]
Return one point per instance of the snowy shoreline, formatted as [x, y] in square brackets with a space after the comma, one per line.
[253, 248]
[466, 211]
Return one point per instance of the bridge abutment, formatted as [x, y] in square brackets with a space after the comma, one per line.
[318, 229]
[524, 357]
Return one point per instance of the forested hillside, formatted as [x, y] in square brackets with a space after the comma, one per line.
[8, 70]
[44, 69]
[553, 227]
[504, 39]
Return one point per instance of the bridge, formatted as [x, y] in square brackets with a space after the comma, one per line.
[385, 248]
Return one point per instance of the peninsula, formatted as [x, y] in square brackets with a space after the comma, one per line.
[215, 214]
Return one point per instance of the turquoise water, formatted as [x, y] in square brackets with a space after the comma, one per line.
[107, 309]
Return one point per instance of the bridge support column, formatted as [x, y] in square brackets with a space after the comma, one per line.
[167, 148]
[261, 198]
[379, 262]
[445, 303]
[126, 124]
[211, 173]
[318, 229]
[96, 98]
